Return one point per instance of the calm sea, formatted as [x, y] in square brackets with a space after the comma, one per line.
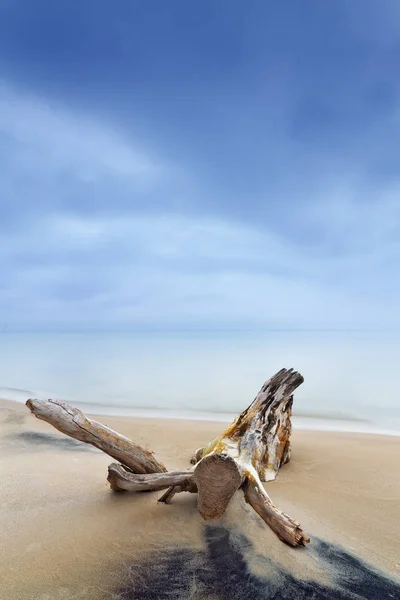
[351, 378]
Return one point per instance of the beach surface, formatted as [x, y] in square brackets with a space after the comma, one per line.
[65, 535]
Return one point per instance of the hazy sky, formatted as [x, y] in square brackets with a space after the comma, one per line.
[210, 164]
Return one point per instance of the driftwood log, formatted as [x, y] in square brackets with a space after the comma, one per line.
[73, 422]
[249, 452]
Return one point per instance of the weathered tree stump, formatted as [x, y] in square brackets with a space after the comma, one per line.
[250, 451]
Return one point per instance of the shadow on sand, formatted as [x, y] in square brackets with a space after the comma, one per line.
[47, 440]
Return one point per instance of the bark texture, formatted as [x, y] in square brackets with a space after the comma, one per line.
[261, 434]
[248, 452]
[286, 528]
[73, 422]
[122, 480]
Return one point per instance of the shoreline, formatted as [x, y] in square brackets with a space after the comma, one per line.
[300, 422]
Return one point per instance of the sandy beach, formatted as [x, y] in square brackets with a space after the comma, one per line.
[65, 535]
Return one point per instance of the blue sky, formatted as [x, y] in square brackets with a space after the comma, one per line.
[208, 165]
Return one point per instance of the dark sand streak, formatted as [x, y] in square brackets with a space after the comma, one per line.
[222, 573]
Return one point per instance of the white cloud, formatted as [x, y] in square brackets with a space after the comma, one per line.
[173, 270]
[161, 268]
[52, 138]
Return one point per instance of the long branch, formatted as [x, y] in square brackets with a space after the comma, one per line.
[73, 422]
[286, 528]
[122, 480]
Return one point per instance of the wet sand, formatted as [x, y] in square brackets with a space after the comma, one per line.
[65, 535]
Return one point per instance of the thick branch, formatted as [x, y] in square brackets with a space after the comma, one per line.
[122, 480]
[73, 422]
[284, 526]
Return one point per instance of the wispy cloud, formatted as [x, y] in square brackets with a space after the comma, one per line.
[52, 138]
[55, 159]
[220, 218]
[173, 271]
